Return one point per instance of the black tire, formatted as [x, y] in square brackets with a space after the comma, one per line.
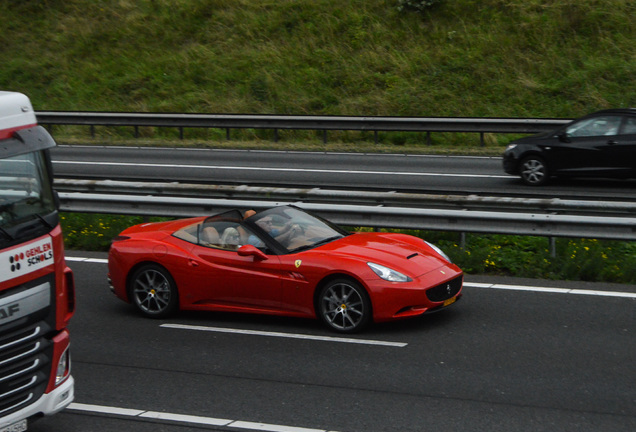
[534, 171]
[344, 306]
[153, 291]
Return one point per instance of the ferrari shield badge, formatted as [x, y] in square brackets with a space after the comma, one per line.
[298, 263]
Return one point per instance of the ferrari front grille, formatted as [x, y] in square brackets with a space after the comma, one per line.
[445, 291]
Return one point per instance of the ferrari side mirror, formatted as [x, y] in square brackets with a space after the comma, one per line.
[249, 250]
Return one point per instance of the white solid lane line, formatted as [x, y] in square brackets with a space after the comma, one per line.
[181, 418]
[304, 170]
[88, 260]
[552, 290]
[474, 285]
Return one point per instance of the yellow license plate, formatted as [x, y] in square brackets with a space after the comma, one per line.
[450, 301]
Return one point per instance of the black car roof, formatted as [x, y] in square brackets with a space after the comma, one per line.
[629, 111]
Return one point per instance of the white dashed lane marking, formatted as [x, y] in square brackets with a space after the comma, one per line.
[286, 335]
[188, 419]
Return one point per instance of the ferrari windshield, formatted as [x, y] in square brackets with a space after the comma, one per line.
[25, 194]
[294, 229]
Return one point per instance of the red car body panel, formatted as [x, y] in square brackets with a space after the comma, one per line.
[285, 284]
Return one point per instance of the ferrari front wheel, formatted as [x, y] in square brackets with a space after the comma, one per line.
[344, 306]
[154, 291]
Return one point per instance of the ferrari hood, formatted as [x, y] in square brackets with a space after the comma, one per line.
[402, 253]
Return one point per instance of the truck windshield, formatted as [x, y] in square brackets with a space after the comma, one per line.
[26, 197]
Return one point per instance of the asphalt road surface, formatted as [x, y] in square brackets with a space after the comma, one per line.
[399, 172]
[512, 355]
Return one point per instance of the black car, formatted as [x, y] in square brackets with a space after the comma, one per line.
[602, 144]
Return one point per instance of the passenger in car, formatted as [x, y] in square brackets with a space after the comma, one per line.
[230, 239]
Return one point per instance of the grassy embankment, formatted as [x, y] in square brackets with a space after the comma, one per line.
[504, 58]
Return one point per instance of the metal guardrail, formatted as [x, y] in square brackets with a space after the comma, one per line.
[334, 196]
[550, 218]
[323, 123]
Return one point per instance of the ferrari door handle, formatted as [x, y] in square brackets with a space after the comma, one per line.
[193, 263]
[612, 142]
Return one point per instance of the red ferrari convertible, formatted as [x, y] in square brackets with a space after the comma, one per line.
[281, 261]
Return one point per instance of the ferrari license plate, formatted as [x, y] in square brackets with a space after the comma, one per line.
[15, 427]
[450, 301]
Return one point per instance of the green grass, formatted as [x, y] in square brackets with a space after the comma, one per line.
[94, 232]
[507, 58]
[462, 58]
[352, 143]
[519, 256]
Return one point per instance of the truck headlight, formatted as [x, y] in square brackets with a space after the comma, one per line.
[63, 367]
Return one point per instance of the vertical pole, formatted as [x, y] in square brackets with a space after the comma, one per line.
[552, 247]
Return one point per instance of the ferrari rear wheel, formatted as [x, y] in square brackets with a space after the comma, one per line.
[344, 306]
[154, 291]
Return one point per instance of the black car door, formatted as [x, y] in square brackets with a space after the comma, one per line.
[621, 149]
[585, 147]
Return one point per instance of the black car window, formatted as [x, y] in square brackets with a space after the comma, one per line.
[629, 127]
[595, 126]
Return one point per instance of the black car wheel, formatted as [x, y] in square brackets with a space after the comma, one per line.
[154, 291]
[344, 306]
[534, 171]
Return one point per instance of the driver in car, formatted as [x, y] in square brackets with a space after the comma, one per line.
[283, 235]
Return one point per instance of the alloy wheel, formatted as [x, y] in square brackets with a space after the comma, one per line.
[344, 306]
[154, 292]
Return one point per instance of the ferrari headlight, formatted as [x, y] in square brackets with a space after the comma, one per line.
[439, 251]
[388, 274]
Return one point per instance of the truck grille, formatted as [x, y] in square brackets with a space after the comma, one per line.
[25, 362]
[445, 291]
